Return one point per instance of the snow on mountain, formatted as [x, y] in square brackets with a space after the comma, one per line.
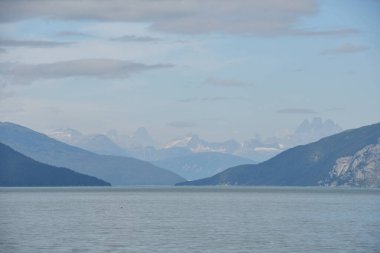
[141, 144]
[197, 145]
[182, 142]
[97, 143]
[68, 135]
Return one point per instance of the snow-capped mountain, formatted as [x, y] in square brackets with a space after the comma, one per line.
[257, 148]
[141, 145]
[97, 143]
[68, 135]
[254, 149]
[197, 145]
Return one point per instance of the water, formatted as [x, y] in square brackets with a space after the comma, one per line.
[189, 220]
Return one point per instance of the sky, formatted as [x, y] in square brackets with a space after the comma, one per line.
[222, 69]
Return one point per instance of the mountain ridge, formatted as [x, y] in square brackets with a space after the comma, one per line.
[114, 169]
[17, 169]
[304, 165]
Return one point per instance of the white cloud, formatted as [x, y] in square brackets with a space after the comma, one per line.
[96, 68]
[268, 18]
[345, 49]
[73, 34]
[212, 99]
[31, 43]
[134, 38]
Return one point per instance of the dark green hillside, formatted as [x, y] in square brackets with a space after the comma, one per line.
[19, 170]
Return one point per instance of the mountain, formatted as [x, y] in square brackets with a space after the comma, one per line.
[127, 146]
[349, 158]
[100, 144]
[114, 169]
[97, 143]
[67, 135]
[257, 148]
[142, 146]
[196, 145]
[260, 149]
[200, 165]
[19, 170]
[313, 130]
[139, 139]
[152, 154]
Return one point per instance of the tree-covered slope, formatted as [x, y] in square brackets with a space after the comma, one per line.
[19, 170]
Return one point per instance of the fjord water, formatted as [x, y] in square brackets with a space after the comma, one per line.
[175, 219]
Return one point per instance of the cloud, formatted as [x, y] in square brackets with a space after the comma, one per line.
[265, 18]
[181, 124]
[2, 51]
[211, 99]
[296, 111]
[72, 34]
[134, 38]
[225, 82]
[332, 32]
[95, 68]
[345, 49]
[31, 43]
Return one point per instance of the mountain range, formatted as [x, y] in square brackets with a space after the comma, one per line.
[142, 146]
[19, 170]
[257, 148]
[116, 170]
[260, 149]
[350, 158]
[191, 156]
[186, 161]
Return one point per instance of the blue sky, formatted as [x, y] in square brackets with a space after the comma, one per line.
[221, 69]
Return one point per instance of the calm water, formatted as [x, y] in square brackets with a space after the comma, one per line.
[189, 220]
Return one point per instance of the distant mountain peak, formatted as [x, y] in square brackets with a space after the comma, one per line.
[197, 145]
[141, 138]
[317, 125]
[141, 131]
